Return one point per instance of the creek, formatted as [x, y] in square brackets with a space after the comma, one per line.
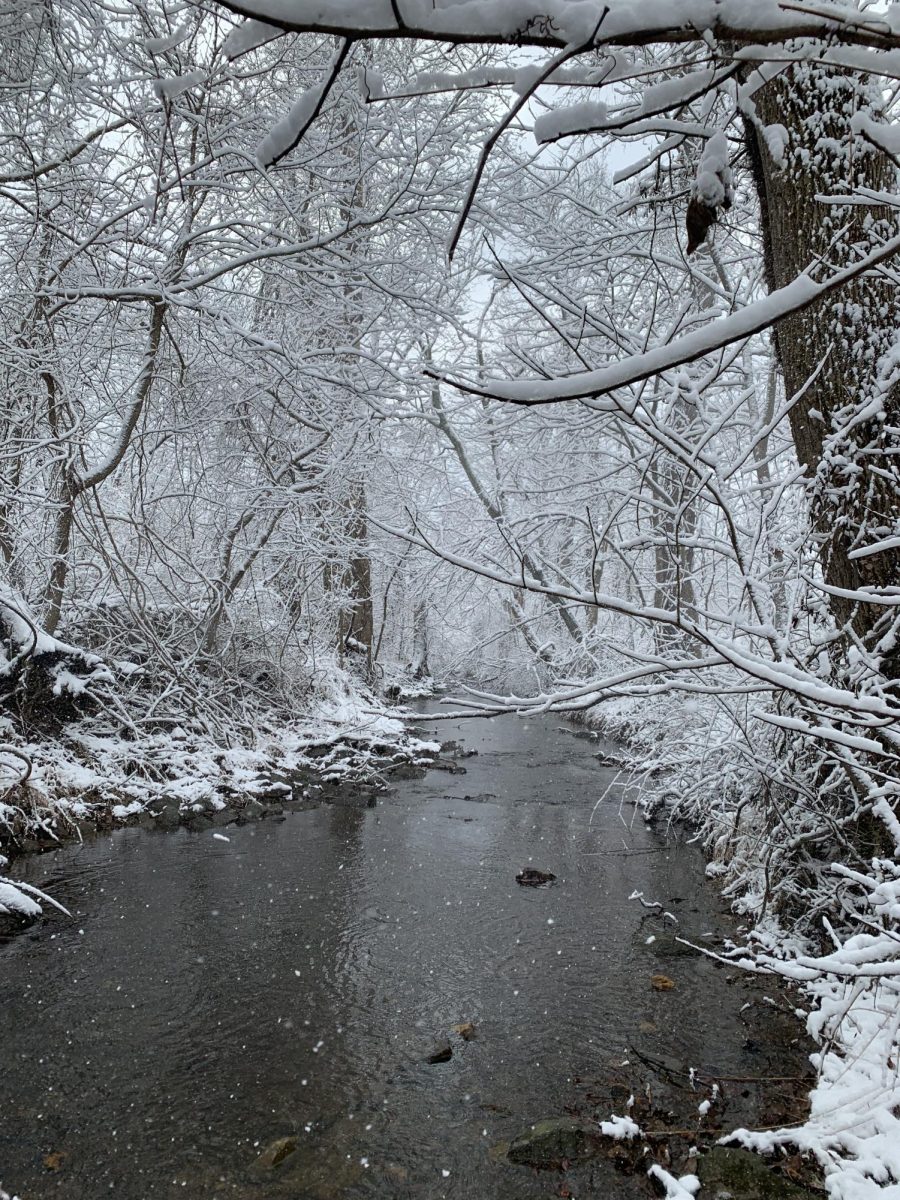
[211, 996]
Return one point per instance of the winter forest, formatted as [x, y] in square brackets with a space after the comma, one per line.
[380, 374]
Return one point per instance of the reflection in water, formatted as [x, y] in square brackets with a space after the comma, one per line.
[213, 996]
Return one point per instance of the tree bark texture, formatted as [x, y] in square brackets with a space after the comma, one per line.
[840, 353]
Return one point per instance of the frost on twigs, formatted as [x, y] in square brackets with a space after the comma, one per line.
[712, 191]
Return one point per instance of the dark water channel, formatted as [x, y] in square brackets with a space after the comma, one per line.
[211, 996]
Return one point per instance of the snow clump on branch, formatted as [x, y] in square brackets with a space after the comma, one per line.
[713, 190]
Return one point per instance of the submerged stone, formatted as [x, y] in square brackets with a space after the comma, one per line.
[441, 1053]
[532, 877]
[313, 1171]
[548, 1144]
[275, 1153]
[465, 1029]
[167, 812]
[667, 945]
[728, 1173]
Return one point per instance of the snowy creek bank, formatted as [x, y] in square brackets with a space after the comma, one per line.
[199, 786]
[362, 1001]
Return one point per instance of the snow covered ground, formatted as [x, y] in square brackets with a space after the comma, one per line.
[853, 1128]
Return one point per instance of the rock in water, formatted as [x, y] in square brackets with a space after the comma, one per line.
[726, 1171]
[532, 877]
[442, 1053]
[607, 760]
[548, 1144]
[275, 1153]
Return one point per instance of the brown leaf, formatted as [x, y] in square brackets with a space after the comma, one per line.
[662, 983]
[466, 1030]
[55, 1159]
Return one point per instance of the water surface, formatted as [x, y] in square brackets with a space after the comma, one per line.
[211, 996]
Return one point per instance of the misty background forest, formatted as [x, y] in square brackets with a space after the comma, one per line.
[545, 354]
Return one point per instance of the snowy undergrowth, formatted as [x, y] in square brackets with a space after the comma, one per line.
[94, 773]
[774, 820]
[853, 1128]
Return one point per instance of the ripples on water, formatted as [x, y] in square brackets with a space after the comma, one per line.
[211, 996]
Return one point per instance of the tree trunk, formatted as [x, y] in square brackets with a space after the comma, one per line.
[355, 620]
[846, 424]
[418, 666]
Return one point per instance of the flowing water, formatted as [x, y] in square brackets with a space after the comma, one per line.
[212, 996]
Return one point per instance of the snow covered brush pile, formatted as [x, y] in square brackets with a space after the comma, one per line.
[198, 774]
[854, 1124]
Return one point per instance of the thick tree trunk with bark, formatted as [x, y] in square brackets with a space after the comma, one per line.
[846, 423]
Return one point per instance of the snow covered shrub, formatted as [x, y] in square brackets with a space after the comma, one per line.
[42, 678]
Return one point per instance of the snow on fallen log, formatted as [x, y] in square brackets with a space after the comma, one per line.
[21, 900]
[16, 903]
